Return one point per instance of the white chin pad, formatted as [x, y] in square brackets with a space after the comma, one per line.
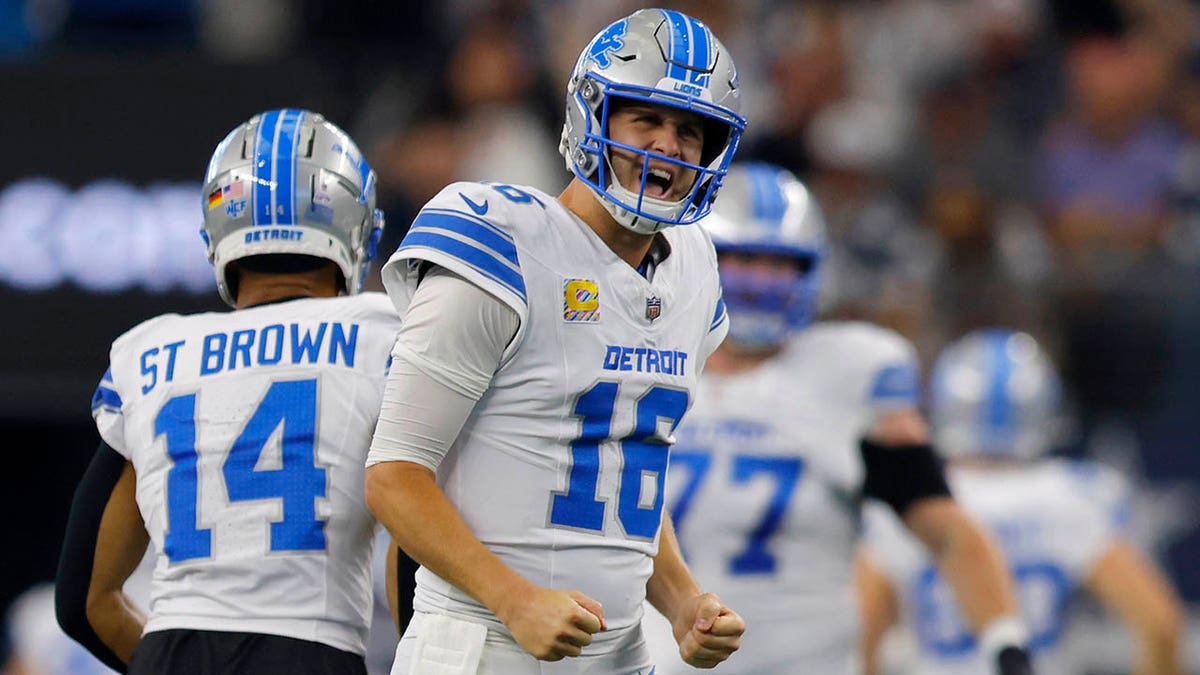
[448, 646]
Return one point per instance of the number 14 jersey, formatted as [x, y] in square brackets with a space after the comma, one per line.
[248, 432]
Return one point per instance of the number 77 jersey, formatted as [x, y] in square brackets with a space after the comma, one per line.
[248, 432]
[560, 468]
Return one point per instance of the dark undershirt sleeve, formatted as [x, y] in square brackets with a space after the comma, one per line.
[406, 570]
[78, 551]
[901, 475]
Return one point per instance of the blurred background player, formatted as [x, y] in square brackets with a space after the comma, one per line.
[235, 442]
[793, 425]
[551, 345]
[995, 411]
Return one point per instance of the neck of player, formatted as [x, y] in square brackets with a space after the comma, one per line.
[257, 288]
[627, 244]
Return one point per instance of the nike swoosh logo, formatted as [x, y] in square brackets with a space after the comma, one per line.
[479, 209]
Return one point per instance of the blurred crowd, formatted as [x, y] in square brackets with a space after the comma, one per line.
[1033, 164]
[1027, 163]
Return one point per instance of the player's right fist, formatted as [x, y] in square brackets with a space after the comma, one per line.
[551, 624]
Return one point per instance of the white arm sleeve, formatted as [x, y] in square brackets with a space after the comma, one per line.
[449, 347]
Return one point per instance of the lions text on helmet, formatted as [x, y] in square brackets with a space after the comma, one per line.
[670, 64]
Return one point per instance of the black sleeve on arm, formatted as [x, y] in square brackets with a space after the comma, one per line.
[78, 552]
[902, 474]
[406, 571]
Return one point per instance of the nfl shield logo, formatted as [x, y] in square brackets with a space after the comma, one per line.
[653, 308]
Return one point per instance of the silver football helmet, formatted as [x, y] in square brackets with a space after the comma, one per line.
[290, 182]
[665, 58]
[995, 393]
[765, 210]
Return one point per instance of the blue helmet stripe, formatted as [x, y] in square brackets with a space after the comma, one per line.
[263, 168]
[998, 413]
[680, 51]
[767, 199]
[285, 191]
[700, 55]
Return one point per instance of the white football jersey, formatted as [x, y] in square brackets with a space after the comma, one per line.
[1053, 520]
[248, 432]
[559, 469]
[765, 485]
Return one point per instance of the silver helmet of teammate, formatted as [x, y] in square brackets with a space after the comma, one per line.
[765, 210]
[661, 57]
[995, 393]
[290, 182]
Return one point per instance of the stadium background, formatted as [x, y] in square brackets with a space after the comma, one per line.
[1027, 163]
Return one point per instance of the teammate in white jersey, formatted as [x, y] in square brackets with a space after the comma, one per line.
[235, 442]
[994, 409]
[551, 345]
[793, 425]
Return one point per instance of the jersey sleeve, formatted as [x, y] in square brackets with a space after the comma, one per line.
[107, 411]
[717, 330]
[893, 380]
[1096, 507]
[458, 231]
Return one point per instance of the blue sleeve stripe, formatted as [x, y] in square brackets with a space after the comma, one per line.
[482, 261]
[106, 397]
[895, 382]
[107, 375]
[487, 226]
[470, 231]
[719, 315]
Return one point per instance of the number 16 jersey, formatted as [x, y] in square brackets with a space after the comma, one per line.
[559, 469]
[248, 432]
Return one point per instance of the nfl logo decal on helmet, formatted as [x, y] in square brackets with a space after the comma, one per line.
[659, 57]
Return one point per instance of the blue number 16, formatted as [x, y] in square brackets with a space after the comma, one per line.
[641, 452]
[298, 481]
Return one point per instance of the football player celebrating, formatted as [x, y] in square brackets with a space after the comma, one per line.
[794, 423]
[995, 410]
[235, 442]
[551, 346]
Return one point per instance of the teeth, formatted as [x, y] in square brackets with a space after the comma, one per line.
[661, 173]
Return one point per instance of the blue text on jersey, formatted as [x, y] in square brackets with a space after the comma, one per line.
[268, 345]
[646, 360]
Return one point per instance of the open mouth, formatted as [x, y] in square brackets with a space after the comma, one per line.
[658, 182]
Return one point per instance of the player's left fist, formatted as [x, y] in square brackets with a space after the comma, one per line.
[707, 631]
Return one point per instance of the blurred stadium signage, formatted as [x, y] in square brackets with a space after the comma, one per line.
[106, 237]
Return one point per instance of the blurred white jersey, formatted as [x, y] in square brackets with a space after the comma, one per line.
[1053, 520]
[765, 485]
[248, 432]
[559, 469]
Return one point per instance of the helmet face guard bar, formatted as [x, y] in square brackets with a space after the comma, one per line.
[708, 176]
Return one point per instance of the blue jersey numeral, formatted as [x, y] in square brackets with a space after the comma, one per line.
[1043, 590]
[642, 454]
[298, 481]
[756, 556]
